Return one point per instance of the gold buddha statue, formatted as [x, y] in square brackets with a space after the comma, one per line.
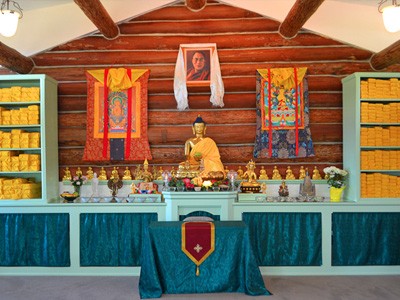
[289, 173]
[127, 174]
[263, 174]
[239, 173]
[275, 174]
[67, 174]
[78, 172]
[103, 174]
[114, 174]
[146, 174]
[316, 174]
[250, 184]
[202, 149]
[302, 173]
[89, 173]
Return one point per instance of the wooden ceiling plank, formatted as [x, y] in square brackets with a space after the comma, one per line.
[387, 57]
[300, 12]
[15, 61]
[96, 12]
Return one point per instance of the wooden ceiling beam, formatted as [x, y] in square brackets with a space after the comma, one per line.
[387, 57]
[298, 15]
[96, 12]
[195, 5]
[15, 61]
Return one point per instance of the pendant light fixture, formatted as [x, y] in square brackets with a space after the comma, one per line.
[10, 13]
[391, 15]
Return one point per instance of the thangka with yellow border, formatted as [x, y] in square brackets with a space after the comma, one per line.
[117, 115]
[282, 114]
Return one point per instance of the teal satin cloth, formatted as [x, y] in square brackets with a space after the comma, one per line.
[34, 240]
[361, 239]
[113, 239]
[232, 266]
[285, 239]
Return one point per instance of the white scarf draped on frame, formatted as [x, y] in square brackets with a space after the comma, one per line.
[216, 84]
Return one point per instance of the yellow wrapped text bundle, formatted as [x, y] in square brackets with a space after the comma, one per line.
[20, 94]
[19, 139]
[11, 161]
[21, 116]
[19, 188]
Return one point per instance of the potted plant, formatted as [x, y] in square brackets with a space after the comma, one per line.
[336, 179]
[180, 185]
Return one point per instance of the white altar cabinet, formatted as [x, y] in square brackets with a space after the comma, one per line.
[184, 203]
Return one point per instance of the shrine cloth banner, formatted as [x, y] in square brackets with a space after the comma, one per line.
[198, 241]
[283, 129]
[117, 115]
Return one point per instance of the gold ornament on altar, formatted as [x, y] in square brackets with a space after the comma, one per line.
[202, 155]
[316, 174]
[146, 174]
[89, 173]
[250, 185]
[67, 175]
[275, 174]
[302, 173]
[103, 174]
[127, 174]
[289, 173]
[263, 174]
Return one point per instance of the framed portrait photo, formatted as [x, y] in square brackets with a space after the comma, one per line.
[198, 65]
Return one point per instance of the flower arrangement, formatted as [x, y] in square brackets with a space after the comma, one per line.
[335, 176]
[78, 181]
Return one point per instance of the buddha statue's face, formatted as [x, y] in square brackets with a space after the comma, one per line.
[199, 128]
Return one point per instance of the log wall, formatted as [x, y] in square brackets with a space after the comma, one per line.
[246, 41]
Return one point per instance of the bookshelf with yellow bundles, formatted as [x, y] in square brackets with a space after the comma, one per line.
[371, 136]
[28, 139]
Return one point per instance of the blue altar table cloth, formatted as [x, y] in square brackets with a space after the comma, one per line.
[232, 266]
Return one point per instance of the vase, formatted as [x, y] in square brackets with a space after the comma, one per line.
[336, 193]
[77, 189]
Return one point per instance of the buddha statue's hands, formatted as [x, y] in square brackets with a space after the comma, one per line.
[198, 156]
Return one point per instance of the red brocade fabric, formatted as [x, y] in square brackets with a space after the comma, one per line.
[138, 141]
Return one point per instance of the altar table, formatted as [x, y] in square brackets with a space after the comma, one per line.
[232, 266]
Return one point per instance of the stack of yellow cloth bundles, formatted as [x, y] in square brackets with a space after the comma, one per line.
[19, 188]
[5, 160]
[33, 114]
[377, 185]
[380, 113]
[5, 95]
[380, 88]
[5, 118]
[380, 160]
[379, 136]
[19, 139]
[12, 162]
[30, 94]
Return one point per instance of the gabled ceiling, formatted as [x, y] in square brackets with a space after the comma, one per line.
[48, 23]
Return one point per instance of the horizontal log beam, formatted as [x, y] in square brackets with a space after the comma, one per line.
[298, 15]
[387, 57]
[96, 12]
[15, 61]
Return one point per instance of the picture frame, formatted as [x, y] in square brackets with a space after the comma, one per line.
[198, 65]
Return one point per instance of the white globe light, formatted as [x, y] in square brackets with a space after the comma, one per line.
[9, 22]
[391, 18]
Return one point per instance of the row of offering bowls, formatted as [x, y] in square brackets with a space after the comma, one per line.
[149, 199]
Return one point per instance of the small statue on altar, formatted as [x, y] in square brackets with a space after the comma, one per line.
[138, 173]
[146, 174]
[302, 173]
[89, 173]
[226, 170]
[263, 189]
[250, 174]
[67, 175]
[134, 188]
[95, 185]
[159, 174]
[289, 173]
[316, 174]
[263, 174]
[283, 189]
[114, 174]
[127, 174]
[239, 173]
[173, 172]
[275, 174]
[203, 148]
[103, 174]
[307, 188]
[78, 172]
